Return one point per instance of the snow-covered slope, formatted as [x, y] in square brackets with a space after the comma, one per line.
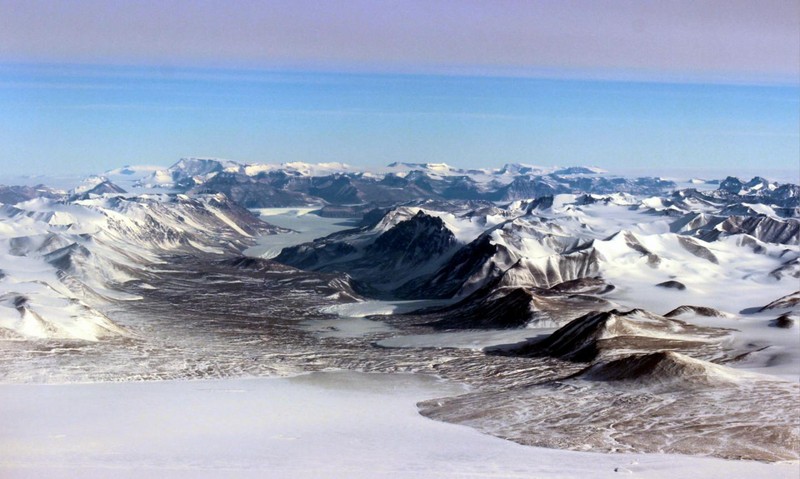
[655, 252]
[62, 261]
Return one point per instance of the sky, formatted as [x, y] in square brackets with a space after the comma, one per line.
[87, 86]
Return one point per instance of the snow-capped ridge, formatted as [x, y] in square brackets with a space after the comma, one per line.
[69, 258]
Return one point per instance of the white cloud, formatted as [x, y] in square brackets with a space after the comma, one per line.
[679, 40]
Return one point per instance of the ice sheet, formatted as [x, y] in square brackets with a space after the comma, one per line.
[321, 425]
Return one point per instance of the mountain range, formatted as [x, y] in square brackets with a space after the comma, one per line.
[645, 289]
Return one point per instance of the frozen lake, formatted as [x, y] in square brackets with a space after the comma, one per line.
[307, 226]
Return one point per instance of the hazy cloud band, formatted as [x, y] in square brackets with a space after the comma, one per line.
[679, 40]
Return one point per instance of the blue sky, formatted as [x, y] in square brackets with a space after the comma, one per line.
[86, 102]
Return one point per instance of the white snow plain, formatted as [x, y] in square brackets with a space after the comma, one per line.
[335, 424]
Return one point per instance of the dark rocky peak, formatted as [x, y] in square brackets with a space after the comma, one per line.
[660, 368]
[372, 217]
[784, 321]
[417, 239]
[469, 260]
[757, 182]
[104, 188]
[672, 284]
[64, 258]
[586, 285]
[487, 308]
[731, 185]
[612, 332]
[541, 203]
[695, 310]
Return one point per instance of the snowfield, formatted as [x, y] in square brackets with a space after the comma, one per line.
[339, 425]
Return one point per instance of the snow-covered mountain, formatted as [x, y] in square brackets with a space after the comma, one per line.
[404, 244]
[62, 259]
[258, 185]
[709, 252]
[464, 235]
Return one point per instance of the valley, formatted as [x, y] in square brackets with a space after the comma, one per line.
[636, 319]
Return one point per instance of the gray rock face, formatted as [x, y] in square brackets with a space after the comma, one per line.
[761, 227]
[382, 258]
[697, 249]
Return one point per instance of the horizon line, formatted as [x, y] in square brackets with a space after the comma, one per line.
[256, 73]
